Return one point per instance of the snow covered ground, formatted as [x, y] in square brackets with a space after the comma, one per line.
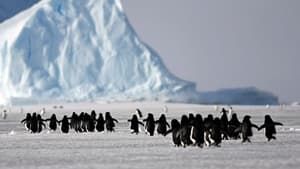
[19, 149]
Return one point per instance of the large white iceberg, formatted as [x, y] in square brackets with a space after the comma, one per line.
[78, 50]
[86, 50]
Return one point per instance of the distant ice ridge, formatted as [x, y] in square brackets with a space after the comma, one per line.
[85, 50]
[240, 96]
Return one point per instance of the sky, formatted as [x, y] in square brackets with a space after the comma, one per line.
[225, 44]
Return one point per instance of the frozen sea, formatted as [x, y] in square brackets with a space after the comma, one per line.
[20, 149]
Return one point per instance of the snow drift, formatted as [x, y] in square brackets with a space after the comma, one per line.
[73, 50]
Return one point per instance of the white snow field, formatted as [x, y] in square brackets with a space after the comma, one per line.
[20, 149]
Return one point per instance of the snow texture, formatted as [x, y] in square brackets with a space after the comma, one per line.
[20, 149]
[75, 50]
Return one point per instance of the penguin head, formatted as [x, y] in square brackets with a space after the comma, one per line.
[100, 116]
[65, 118]
[247, 118]
[191, 117]
[268, 119]
[53, 117]
[184, 120]
[28, 116]
[134, 117]
[107, 115]
[163, 117]
[210, 117]
[93, 113]
[199, 118]
[217, 121]
[175, 124]
[150, 116]
[234, 116]
[39, 117]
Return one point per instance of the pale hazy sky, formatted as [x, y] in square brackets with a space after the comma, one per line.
[224, 44]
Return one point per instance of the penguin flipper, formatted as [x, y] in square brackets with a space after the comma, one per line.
[278, 124]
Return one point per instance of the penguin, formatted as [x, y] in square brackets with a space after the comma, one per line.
[134, 127]
[41, 123]
[208, 123]
[93, 115]
[86, 119]
[191, 117]
[185, 131]
[4, 115]
[233, 124]
[224, 124]
[100, 123]
[90, 123]
[198, 131]
[246, 129]
[139, 113]
[65, 125]
[162, 125]
[81, 122]
[175, 127]
[53, 122]
[216, 134]
[27, 121]
[34, 123]
[269, 126]
[110, 122]
[150, 124]
[75, 122]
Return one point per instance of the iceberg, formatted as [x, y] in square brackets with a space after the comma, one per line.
[86, 50]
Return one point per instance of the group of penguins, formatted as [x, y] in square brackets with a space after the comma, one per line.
[192, 130]
[79, 123]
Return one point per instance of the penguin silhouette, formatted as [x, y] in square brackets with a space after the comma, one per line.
[246, 129]
[208, 123]
[81, 119]
[175, 128]
[34, 123]
[185, 131]
[162, 125]
[27, 121]
[269, 126]
[53, 122]
[91, 123]
[150, 124]
[74, 123]
[93, 115]
[100, 123]
[134, 127]
[41, 123]
[110, 122]
[233, 124]
[198, 130]
[224, 124]
[191, 117]
[216, 134]
[65, 125]
[140, 114]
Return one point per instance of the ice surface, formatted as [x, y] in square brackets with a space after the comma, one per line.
[125, 150]
[75, 50]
